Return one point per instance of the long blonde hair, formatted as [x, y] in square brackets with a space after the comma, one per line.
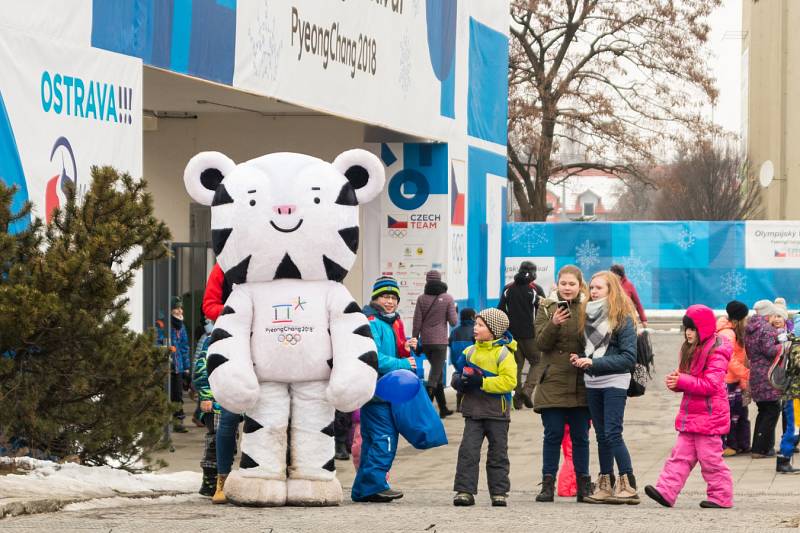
[620, 307]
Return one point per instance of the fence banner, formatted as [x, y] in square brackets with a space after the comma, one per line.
[672, 264]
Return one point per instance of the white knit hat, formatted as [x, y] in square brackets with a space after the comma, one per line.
[496, 321]
[780, 308]
[764, 308]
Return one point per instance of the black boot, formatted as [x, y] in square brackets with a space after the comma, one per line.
[547, 494]
[784, 466]
[584, 487]
[441, 401]
[342, 453]
[209, 485]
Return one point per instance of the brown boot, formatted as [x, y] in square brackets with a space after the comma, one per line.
[603, 492]
[625, 491]
[219, 495]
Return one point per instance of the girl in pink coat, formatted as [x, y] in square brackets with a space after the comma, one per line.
[704, 414]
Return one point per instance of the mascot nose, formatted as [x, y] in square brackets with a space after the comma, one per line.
[284, 209]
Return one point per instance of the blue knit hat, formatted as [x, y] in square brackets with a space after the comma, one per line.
[385, 285]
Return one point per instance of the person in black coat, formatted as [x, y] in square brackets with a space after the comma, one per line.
[519, 301]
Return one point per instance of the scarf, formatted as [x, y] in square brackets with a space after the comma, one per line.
[389, 318]
[597, 331]
[176, 323]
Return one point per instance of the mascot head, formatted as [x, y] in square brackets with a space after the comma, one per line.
[284, 215]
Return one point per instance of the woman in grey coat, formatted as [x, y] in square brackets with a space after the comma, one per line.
[435, 309]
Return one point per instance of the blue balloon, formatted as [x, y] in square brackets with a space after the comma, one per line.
[398, 386]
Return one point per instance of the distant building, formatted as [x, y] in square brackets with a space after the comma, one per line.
[588, 195]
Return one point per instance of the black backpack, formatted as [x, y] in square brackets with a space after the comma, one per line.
[642, 370]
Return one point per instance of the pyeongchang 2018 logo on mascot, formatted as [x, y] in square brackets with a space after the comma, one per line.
[63, 159]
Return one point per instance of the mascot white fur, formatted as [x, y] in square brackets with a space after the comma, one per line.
[291, 343]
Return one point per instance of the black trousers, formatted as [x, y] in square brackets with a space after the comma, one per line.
[469, 456]
[436, 355]
[176, 393]
[766, 422]
[342, 423]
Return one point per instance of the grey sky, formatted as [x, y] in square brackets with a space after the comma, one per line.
[726, 46]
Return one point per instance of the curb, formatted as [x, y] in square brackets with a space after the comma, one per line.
[52, 505]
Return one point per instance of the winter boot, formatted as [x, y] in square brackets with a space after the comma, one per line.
[342, 453]
[603, 492]
[209, 485]
[441, 401]
[219, 495]
[784, 466]
[547, 494]
[625, 491]
[584, 488]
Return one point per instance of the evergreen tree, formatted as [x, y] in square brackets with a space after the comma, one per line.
[74, 380]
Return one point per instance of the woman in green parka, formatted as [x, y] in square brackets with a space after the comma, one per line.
[560, 396]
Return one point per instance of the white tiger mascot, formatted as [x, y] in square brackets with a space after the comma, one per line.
[291, 344]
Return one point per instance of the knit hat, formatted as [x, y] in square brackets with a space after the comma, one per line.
[780, 308]
[764, 308]
[176, 303]
[433, 275]
[495, 320]
[736, 310]
[385, 285]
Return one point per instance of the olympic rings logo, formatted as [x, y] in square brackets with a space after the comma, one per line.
[397, 233]
[289, 339]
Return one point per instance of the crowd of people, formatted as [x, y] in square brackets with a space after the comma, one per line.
[569, 356]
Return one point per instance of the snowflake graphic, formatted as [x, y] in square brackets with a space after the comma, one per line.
[587, 254]
[529, 237]
[404, 68]
[733, 283]
[686, 239]
[266, 49]
[638, 270]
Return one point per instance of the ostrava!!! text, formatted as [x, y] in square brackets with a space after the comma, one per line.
[331, 44]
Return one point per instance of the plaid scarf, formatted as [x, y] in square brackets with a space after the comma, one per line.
[597, 331]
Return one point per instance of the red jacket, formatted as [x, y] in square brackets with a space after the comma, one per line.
[630, 290]
[214, 297]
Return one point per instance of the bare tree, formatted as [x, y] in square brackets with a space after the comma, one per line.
[709, 181]
[620, 79]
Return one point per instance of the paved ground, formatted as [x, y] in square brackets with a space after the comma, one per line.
[764, 501]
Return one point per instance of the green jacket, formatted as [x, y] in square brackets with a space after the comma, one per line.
[558, 383]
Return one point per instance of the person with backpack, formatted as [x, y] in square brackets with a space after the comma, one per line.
[460, 339]
[607, 361]
[703, 417]
[519, 301]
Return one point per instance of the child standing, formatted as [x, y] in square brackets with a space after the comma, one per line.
[210, 411]
[460, 339]
[488, 377]
[737, 378]
[704, 414]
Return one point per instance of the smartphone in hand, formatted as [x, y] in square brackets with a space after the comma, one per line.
[563, 304]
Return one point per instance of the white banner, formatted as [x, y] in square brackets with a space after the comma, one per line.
[64, 108]
[388, 63]
[771, 244]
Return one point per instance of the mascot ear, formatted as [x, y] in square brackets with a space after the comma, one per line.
[204, 173]
[364, 171]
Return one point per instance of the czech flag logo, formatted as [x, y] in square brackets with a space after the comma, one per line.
[393, 223]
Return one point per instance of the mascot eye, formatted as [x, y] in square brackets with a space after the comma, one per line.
[316, 200]
[252, 202]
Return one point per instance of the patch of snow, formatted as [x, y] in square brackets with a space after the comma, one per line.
[106, 503]
[69, 480]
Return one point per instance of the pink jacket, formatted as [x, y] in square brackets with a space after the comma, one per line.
[704, 407]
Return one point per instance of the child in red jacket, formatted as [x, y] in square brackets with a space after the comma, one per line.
[704, 415]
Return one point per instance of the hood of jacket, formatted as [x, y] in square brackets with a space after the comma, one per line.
[435, 288]
[703, 318]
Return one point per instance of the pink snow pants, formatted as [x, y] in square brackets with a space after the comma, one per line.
[690, 449]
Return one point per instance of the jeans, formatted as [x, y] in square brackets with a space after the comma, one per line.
[226, 440]
[766, 422]
[607, 407]
[553, 419]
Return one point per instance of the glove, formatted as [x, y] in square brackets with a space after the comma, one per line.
[471, 380]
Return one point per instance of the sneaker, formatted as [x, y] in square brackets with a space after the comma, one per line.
[385, 496]
[625, 491]
[728, 452]
[499, 500]
[784, 466]
[655, 495]
[464, 499]
[706, 504]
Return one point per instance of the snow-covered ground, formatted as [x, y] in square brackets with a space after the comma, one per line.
[45, 479]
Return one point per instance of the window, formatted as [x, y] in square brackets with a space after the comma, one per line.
[588, 209]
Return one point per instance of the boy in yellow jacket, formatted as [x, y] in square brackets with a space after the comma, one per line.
[488, 378]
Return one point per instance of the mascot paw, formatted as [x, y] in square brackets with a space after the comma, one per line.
[312, 493]
[255, 491]
[235, 390]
